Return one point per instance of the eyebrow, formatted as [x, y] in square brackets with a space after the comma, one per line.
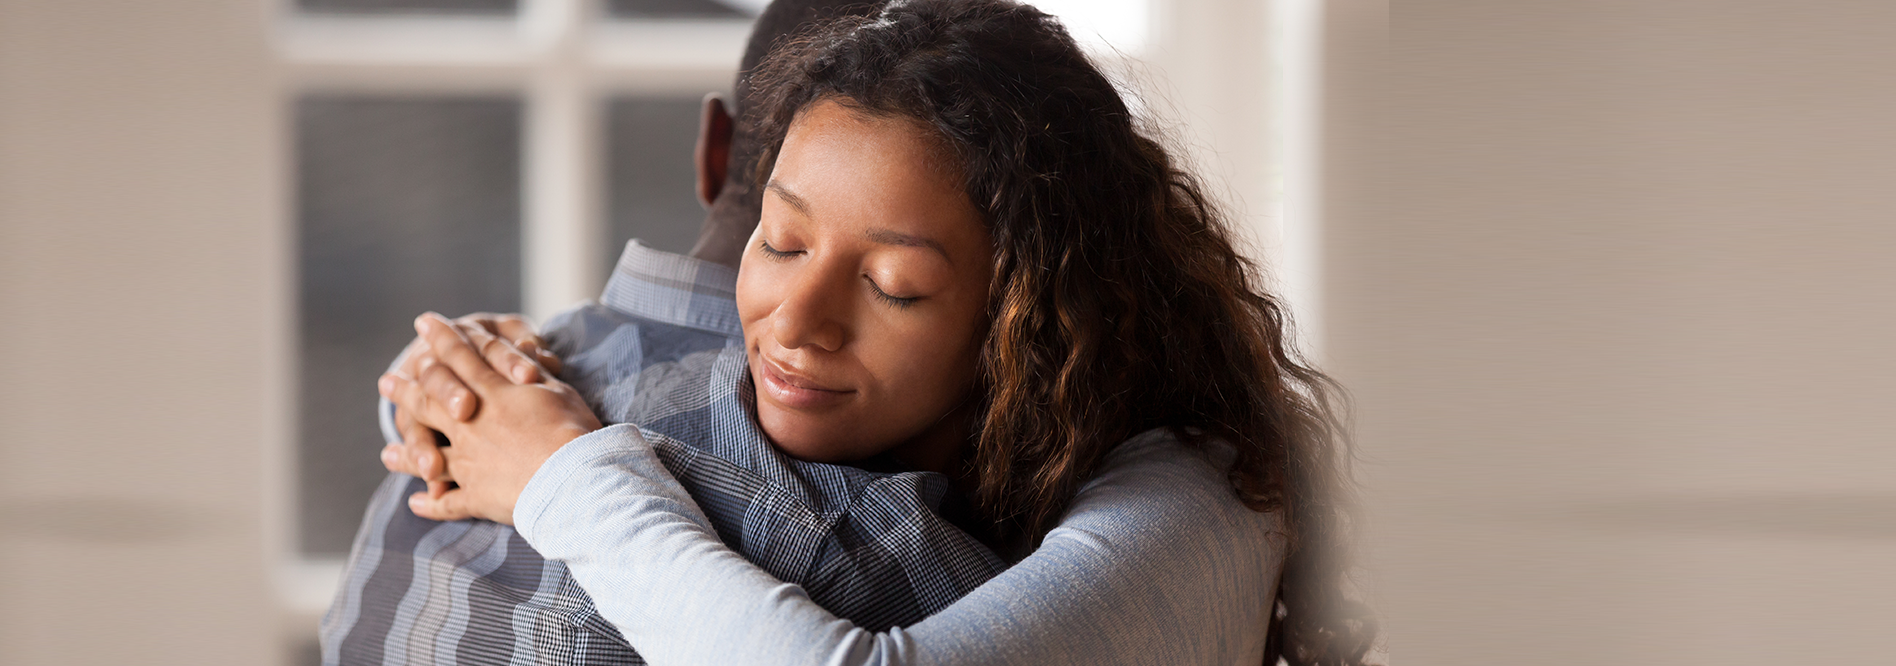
[789, 197]
[887, 237]
[883, 236]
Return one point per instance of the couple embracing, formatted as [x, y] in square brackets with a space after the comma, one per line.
[964, 369]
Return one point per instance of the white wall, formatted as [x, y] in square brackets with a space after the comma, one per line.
[138, 265]
[1206, 72]
[1617, 311]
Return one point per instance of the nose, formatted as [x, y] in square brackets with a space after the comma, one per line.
[813, 311]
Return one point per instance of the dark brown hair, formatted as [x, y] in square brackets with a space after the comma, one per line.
[1119, 303]
[780, 22]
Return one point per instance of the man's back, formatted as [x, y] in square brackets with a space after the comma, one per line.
[662, 350]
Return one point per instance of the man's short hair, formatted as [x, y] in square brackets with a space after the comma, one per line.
[782, 20]
[779, 22]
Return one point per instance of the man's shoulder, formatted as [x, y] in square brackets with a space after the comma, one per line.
[589, 325]
[633, 369]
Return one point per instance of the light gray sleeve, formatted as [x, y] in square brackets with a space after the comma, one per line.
[385, 410]
[1156, 563]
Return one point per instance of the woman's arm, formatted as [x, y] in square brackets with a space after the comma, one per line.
[1157, 562]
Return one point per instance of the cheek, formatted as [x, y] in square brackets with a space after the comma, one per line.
[928, 362]
[755, 296]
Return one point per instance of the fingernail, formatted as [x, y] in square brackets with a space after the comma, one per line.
[415, 502]
[522, 374]
[389, 456]
[456, 402]
[424, 462]
[385, 384]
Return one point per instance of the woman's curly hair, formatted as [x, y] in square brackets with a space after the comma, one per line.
[1119, 303]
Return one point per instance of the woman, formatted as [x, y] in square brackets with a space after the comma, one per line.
[971, 259]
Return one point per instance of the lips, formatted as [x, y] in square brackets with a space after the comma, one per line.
[793, 389]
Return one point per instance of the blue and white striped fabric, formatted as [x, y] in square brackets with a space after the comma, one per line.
[662, 350]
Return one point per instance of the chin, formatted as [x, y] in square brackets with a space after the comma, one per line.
[809, 444]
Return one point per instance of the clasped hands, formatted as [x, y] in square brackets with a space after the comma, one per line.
[486, 383]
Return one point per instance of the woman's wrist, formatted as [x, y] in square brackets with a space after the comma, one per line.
[560, 467]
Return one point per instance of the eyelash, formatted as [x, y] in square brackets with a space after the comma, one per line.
[898, 303]
[775, 253]
[894, 301]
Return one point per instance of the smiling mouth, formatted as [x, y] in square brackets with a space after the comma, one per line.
[794, 390]
[795, 379]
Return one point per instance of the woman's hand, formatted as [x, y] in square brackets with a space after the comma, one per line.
[525, 359]
[513, 429]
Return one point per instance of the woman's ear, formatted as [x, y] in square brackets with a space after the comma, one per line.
[713, 154]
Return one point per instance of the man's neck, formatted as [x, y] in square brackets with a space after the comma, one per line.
[724, 234]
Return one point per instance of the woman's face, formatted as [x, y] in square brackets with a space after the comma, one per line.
[863, 292]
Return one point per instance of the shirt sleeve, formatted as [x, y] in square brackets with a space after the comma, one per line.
[385, 410]
[1156, 563]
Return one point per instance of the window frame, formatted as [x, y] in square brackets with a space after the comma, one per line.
[565, 60]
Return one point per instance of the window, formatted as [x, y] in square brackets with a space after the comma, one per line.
[405, 203]
[650, 184]
[463, 155]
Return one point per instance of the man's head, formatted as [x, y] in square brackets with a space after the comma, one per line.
[726, 148]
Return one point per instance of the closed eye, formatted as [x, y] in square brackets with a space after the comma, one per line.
[898, 302]
[775, 253]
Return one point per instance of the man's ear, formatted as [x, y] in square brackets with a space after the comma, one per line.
[713, 154]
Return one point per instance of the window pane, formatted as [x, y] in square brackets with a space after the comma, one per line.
[651, 183]
[409, 6]
[404, 205]
[674, 9]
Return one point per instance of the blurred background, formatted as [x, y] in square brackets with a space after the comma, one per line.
[1608, 281]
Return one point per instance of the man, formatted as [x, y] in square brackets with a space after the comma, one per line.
[655, 351]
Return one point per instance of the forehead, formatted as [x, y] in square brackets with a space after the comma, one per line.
[840, 124]
[840, 166]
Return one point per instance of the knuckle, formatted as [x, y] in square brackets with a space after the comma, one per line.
[436, 378]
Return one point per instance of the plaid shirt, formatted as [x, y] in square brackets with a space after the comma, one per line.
[662, 350]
